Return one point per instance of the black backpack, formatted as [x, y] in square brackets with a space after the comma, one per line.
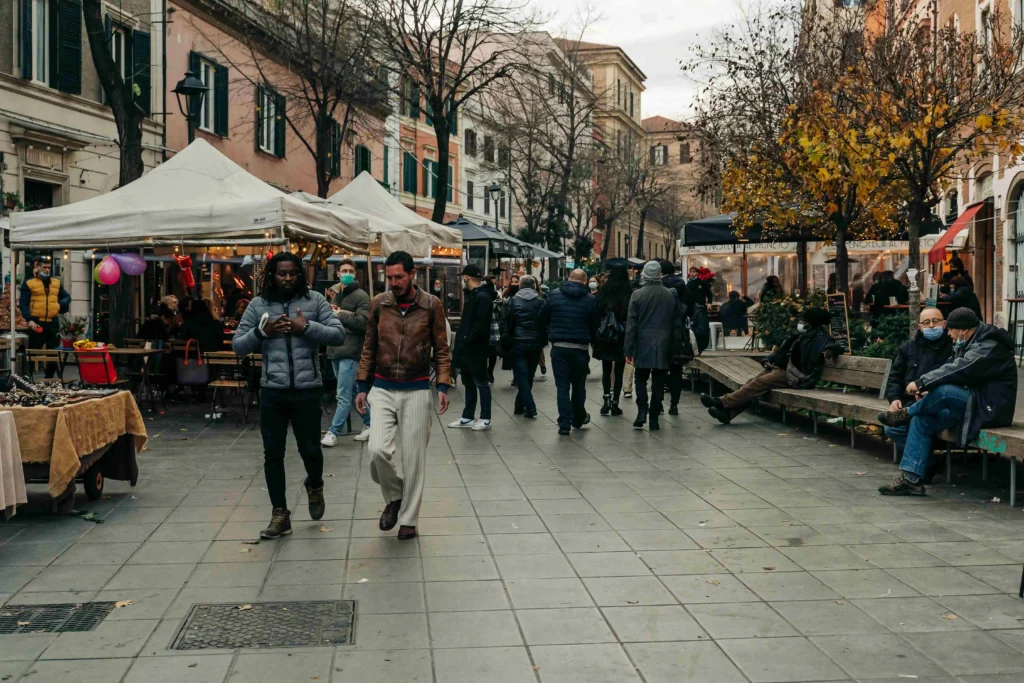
[701, 328]
[611, 332]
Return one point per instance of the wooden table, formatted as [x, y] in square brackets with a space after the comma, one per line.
[145, 354]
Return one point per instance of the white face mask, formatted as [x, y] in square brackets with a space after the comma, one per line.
[801, 327]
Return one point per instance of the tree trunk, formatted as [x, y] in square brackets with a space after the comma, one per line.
[640, 235]
[917, 213]
[441, 130]
[842, 262]
[322, 157]
[606, 242]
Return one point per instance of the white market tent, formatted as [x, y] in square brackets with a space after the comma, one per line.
[198, 197]
[366, 195]
[392, 237]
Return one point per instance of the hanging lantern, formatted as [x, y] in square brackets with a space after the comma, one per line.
[187, 277]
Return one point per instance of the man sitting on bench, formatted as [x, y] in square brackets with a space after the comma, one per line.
[976, 389]
[795, 365]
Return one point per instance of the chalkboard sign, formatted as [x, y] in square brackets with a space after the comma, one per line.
[839, 321]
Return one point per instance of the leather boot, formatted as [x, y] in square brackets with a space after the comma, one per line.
[606, 407]
[616, 410]
[641, 418]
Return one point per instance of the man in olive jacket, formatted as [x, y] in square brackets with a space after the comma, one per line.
[351, 305]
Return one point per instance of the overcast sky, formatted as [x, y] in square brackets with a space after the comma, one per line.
[656, 34]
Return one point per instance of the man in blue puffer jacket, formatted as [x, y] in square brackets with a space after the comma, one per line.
[299, 322]
[571, 318]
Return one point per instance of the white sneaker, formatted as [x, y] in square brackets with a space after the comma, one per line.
[481, 425]
[363, 435]
[330, 440]
[462, 424]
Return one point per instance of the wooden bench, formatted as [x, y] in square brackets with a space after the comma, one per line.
[856, 374]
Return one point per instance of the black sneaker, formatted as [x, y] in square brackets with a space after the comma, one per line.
[317, 505]
[652, 423]
[894, 418]
[530, 414]
[389, 518]
[616, 410]
[280, 524]
[673, 409]
[710, 401]
[564, 431]
[720, 414]
[902, 487]
[641, 418]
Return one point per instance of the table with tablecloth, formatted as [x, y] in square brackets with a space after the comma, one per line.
[12, 478]
[64, 436]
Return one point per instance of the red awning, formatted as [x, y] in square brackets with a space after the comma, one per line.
[937, 254]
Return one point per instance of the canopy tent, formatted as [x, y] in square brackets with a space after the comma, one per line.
[197, 197]
[366, 195]
[498, 243]
[719, 230]
[392, 237]
[937, 253]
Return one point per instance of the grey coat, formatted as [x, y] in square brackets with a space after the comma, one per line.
[290, 361]
[355, 310]
[654, 327]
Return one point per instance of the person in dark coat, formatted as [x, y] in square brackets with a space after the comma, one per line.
[571, 319]
[976, 389]
[523, 325]
[733, 313]
[929, 349]
[772, 289]
[158, 327]
[687, 307]
[654, 334]
[962, 296]
[613, 299]
[700, 290]
[472, 348]
[203, 327]
[797, 364]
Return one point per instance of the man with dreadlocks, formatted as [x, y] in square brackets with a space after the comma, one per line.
[297, 322]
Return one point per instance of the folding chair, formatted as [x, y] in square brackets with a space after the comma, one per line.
[229, 373]
[96, 368]
[46, 357]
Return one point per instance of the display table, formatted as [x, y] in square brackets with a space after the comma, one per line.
[65, 438]
[12, 477]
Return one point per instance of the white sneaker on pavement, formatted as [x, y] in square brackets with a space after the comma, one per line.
[363, 435]
[330, 440]
[462, 424]
[481, 425]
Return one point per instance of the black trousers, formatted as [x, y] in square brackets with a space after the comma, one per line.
[46, 338]
[523, 370]
[570, 367]
[301, 408]
[473, 384]
[675, 382]
[657, 388]
[612, 368]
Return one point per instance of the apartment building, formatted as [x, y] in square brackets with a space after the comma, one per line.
[674, 145]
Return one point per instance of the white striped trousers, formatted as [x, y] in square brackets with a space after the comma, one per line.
[400, 421]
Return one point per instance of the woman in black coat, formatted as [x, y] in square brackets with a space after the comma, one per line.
[612, 298]
[962, 296]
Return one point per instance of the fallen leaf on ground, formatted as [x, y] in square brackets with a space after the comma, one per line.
[363, 580]
[633, 602]
[192, 666]
[536, 668]
[860, 474]
[783, 434]
[950, 617]
[325, 529]
[833, 446]
[714, 582]
[124, 603]
[840, 602]
[245, 550]
[244, 607]
[768, 569]
[256, 542]
[24, 623]
[328, 475]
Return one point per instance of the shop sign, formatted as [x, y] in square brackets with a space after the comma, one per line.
[729, 249]
[871, 245]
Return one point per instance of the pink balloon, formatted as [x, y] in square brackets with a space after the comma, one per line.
[130, 263]
[108, 271]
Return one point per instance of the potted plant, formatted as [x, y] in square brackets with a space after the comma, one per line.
[12, 201]
[71, 329]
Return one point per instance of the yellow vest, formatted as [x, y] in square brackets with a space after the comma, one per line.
[43, 305]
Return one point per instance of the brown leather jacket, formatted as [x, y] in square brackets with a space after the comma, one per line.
[402, 346]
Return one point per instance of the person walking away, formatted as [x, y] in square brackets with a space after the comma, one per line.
[351, 307]
[931, 348]
[976, 389]
[613, 307]
[300, 321]
[406, 334]
[42, 299]
[472, 347]
[796, 364]
[654, 334]
[687, 309]
[523, 327]
[571, 319]
[733, 313]
[962, 296]
[629, 370]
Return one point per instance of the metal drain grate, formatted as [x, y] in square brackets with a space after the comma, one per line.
[267, 624]
[60, 618]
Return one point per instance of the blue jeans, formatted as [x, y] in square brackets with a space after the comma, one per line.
[570, 367]
[943, 408]
[345, 370]
[523, 370]
[898, 435]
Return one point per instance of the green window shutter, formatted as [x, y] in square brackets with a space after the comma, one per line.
[220, 100]
[26, 39]
[426, 177]
[141, 52]
[261, 102]
[428, 110]
[414, 101]
[409, 173]
[193, 65]
[451, 175]
[280, 125]
[386, 182]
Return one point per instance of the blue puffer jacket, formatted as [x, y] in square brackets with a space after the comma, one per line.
[571, 314]
[290, 361]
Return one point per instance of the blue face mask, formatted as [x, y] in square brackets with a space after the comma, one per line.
[932, 333]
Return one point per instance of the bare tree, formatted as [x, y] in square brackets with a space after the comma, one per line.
[451, 51]
[612, 196]
[314, 72]
[647, 182]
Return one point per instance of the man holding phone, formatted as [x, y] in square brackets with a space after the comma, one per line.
[276, 324]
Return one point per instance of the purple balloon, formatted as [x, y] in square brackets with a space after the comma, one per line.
[131, 263]
[108, 270]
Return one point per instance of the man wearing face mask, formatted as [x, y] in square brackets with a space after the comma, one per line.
[796, 364]
[41, 300]
[351, 306]
[977, 388]
[929, 349]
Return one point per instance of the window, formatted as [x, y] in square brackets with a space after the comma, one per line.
[658, 154]
[414, 101]
[501, 204]
[270, 121]
[471, 142]
[408, 172]
[986, 28]
[618, 143]
[49, 38]
[403, 97]
[207, 74]
[487, 202]
[451, 179]
[41, 19]
[429, 178]
[469, 194]
[213, 117]
[618, 91]
[363, 160]
[387, 170]
[631, 105]
[684, 153]
[503, 157]
[118, 48]
[489, 148]
[551, 84]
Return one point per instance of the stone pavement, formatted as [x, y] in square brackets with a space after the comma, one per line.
[754, 552]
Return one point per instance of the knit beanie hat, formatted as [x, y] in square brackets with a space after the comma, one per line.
[651, 272]
[962, 319]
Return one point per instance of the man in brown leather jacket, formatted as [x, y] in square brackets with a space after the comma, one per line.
[405, 333]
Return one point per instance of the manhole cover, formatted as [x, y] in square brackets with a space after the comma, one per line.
[267, 624]
[59, 618]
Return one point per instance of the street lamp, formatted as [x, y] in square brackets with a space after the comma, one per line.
[495, 190]
[193, 90]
